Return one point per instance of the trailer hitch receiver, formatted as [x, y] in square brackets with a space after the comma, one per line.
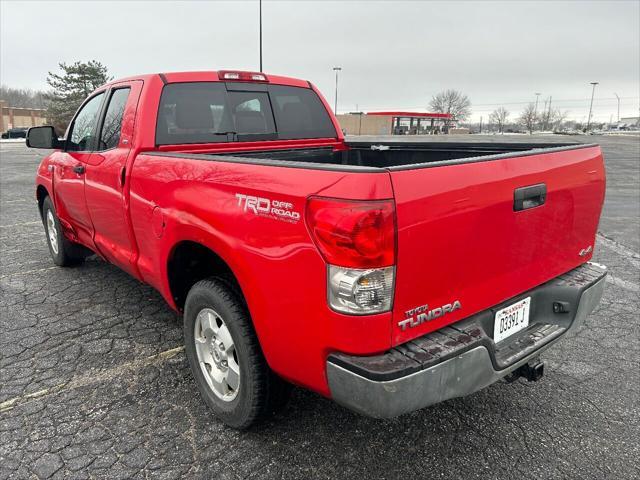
[532, 371]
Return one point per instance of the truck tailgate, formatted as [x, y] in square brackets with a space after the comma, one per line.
[461, 239]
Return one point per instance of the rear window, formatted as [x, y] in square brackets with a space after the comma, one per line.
[300, 113]
[110, 135]
[206, 112]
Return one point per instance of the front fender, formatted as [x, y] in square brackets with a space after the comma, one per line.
[44, 180]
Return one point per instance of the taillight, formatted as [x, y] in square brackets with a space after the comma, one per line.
[360, 292]
[348, 233]
[242, 76]
[357, 240]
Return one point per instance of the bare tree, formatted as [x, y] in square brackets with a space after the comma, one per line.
[452, 102]
[499, 117]
[558, 117]
[22, 97]
[544, 118]
[552, 119]
[529, 118]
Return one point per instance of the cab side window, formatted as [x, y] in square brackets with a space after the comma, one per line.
[83, 130]
[110, 135]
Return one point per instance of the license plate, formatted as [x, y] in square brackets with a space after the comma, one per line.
[511, 319]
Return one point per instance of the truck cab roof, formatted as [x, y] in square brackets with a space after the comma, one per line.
[210, 76]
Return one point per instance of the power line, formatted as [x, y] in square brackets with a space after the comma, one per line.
[497, 104]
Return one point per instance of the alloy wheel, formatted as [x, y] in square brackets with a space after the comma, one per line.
[216, 354]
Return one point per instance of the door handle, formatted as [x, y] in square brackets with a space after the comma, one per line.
[529, 197]
[79, 169]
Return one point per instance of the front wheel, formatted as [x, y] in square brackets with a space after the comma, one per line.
[63, 251]
[225, 356]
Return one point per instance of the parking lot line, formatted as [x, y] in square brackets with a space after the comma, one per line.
[633, 257]
[29, 234]
[9, 404]
[27, 272]
[20, 224]
[93, 378]
[627, 285]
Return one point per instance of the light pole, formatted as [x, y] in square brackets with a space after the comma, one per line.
[335, 105]
[593, 91]
[618, 106]
[535, 110]
[260, 14]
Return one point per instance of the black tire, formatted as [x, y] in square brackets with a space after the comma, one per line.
[261, 392]
[68, 253]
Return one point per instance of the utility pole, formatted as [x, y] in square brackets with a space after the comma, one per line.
[260, 8]
[335, 105]
[535, 110]
[618, 106]
[547, 119]
[593, 91]
[480, 124]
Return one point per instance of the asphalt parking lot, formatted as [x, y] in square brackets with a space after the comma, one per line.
[94, 381]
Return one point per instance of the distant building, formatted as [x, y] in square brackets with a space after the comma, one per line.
[393, 123]
[14, 117]
[630, 121]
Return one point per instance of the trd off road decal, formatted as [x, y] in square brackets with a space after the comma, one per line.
[265, 207]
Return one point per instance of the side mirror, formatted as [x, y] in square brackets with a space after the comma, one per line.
[43, 137]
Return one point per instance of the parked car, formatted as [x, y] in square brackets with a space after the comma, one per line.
[387, 277]
[15, 133]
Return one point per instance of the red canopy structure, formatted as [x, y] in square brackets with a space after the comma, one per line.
[411, 122]
[414, 114]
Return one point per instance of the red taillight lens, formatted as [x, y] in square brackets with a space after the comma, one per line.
[242, 76]
[353, 233]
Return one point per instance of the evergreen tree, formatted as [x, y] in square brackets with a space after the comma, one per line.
[70, 88]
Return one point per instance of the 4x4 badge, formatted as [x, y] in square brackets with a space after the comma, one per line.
[586, 251]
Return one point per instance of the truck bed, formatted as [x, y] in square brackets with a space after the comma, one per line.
[386, 155]
[411, 155]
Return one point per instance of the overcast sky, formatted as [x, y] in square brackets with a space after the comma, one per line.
[394, 55]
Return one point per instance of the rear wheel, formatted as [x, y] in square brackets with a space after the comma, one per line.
[225, 357]
[63, 251]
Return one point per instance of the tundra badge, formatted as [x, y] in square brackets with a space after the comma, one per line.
[417, 316]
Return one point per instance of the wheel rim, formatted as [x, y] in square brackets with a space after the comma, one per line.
[53, 233]
[217, 355]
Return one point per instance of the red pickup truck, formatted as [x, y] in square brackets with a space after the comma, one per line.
[386, 276]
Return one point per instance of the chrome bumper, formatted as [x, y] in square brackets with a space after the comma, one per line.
[479, 363]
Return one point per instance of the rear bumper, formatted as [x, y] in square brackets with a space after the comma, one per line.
[463, 358]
